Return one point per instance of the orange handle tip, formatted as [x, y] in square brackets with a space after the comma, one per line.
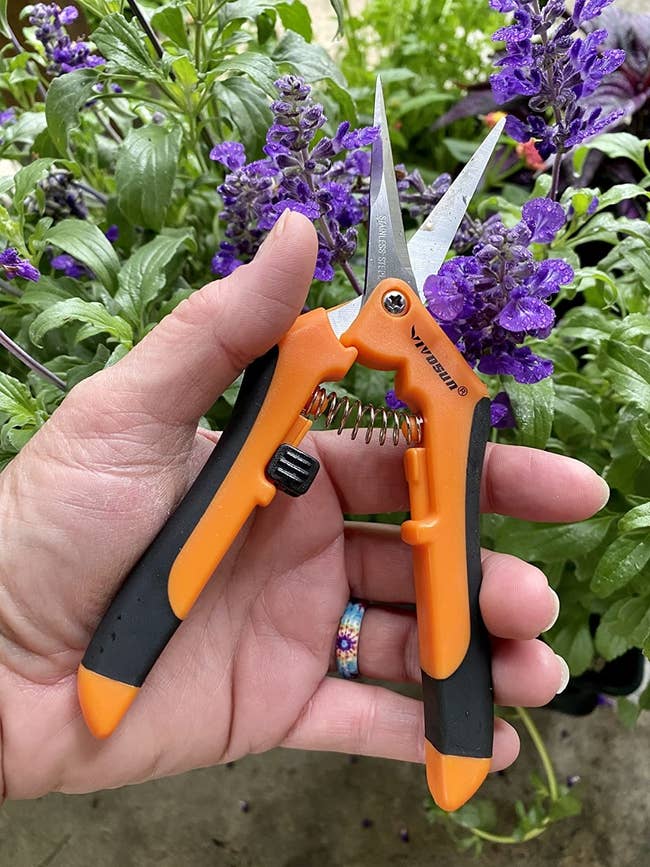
[103, 701]
[453, 779]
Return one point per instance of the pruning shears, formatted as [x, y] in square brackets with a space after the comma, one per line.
[387, 328]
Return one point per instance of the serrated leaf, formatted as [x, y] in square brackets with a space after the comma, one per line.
[95, 318]
[247, 108]
[625, 559]
[628, 368]
[65, 97]
[555, 542]
[89, 245]
[310, 61]
[16, 400]
[124, 45]
[637, 518]
[620, 193]
[575, 412]
[585, 325]
[170, 22]
[145, 172]
[258, 67]
[143, 275]
[534, 407]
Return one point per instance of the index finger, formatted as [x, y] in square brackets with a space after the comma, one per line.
[517, 481]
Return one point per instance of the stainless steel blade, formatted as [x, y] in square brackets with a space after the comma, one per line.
[387, 254]
[430, 244]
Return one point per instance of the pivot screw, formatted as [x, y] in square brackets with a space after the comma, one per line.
[395, 303]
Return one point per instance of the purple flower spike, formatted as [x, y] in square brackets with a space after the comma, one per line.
[544, 218]
[64, 54]
[68, 15]
[14, 266]
[7, 116]
[231, 154]
[584, 10]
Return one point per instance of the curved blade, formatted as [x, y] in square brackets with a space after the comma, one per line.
[387, 254]
[430, 244]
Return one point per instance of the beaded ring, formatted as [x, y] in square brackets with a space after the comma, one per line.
[347, 639]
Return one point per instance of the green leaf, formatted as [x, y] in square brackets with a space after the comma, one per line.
[567, 805]
[145, 172]
[258, 67]
[628, 367]
[337, 6]
[555, 542]
[620, 193]
[295, 16]
[26, 179]
[65, 97]
[533, 406]
[124, 45]
[89, 245]
[625, 624]
[170, 22]
[637, 518]
[574, 644]
[4, 24]
[628, 712]
[16, 400]
[644, 698]
[576, 412]
[623, 560]
[96, 319]
[247, 108]
[640, 432]
[312, 62]
[143, 276]
[622, 144]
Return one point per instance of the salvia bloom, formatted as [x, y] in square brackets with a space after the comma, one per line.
[14, 266]
[62, 198]
[63, 54]
[326, 181]
[545, 60]
[488, 303]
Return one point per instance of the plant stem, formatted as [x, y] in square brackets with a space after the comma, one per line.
[24, 356]
[19, 48]
[108, 129]
[9, 289]
[91, 192]
[536, 738]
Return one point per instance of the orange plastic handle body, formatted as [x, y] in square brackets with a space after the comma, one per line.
[435, 380]
[308, 354]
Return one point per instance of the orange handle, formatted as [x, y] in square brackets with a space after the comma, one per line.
[309, 353]
[444, 478]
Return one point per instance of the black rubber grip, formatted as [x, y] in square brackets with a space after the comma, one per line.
[459, 710]
[140, 620]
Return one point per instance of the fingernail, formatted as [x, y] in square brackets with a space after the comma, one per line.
[566, 674]
[606, 491]
[556, 609]
[274, 234]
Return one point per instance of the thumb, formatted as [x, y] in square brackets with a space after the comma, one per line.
[180, 368]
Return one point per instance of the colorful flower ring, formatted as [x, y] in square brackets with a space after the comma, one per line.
[347, 639]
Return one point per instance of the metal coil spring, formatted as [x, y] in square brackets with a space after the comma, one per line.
[378, 418]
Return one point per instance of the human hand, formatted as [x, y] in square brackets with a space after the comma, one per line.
[247, 670]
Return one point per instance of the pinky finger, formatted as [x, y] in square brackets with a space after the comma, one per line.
[368, 720]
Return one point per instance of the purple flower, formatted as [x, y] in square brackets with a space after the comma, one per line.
[544, 59]
[544, 218]
[62, 198]
[8, 116]
[63, 54]
[297, 174]
[501, 414]
[490, 301]
[112, 233]
[231, 154]
[14, 266]
[70, 266]
[393, 401]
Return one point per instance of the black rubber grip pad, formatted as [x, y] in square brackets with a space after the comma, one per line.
[459, 710]
[140, 620]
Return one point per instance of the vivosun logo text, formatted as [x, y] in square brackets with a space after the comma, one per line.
[431, 359]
